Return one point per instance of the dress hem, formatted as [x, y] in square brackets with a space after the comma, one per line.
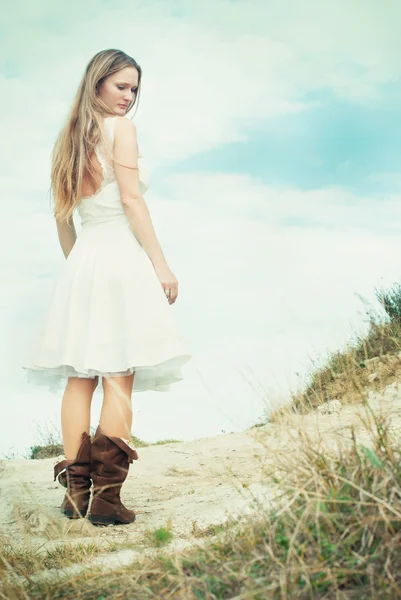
[157, 377]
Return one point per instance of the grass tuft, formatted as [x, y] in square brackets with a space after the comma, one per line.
[372, 361]
[160, 536]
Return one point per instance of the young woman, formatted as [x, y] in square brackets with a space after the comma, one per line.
[109, 316]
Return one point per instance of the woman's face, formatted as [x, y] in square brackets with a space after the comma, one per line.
[119, 89]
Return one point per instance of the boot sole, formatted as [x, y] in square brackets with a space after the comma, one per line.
[72, 514]
[103, 520]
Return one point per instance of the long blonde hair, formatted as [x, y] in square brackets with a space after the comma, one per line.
[83, 131]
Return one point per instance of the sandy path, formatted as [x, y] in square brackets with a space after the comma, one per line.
[202, 481]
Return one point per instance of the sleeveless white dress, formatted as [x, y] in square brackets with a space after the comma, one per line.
[108, 314]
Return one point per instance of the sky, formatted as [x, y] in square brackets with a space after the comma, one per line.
[272, 131]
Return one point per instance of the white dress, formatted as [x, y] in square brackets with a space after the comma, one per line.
[108, 314]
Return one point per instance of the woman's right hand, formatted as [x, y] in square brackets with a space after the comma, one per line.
[168, 281]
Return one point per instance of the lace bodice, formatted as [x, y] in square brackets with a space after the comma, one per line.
[105, 204]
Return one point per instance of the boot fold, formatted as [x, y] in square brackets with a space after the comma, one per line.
[125, 447]
[60, 468]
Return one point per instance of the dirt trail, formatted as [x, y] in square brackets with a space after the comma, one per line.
[193, 484]
[200, 481]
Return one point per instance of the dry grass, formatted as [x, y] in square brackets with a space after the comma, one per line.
[179, 472]
[30, 561]
[369, 362]
[336, 533]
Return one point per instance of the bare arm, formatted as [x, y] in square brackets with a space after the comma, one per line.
[66, 235]
[134, 205]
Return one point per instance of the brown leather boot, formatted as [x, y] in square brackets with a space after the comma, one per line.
[110, 460]
[74, 474]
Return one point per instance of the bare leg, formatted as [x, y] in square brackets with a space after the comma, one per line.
[75, 412]
[116, 413]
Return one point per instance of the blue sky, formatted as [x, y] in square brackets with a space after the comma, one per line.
[274, 149]
[335, 142]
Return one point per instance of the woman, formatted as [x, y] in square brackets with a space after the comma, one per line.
[109, 315]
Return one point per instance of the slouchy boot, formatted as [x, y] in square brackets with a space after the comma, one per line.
[74, 474]
[110, 460]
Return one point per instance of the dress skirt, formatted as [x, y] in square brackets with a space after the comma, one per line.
[108, 315]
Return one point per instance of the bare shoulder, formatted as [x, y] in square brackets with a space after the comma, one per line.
[124, 126]
[125, 140]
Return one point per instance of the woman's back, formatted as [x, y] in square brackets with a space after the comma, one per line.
[103, 202]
